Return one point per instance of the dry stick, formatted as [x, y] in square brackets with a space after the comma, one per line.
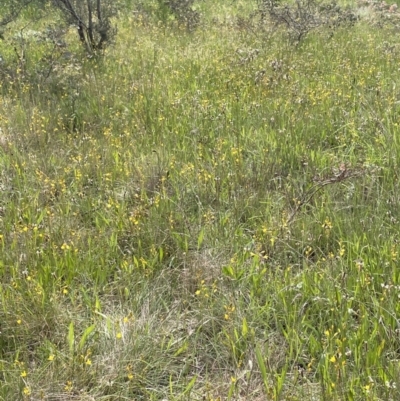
[342, 176]
[90, 23]
[81, 25]
[99, 11]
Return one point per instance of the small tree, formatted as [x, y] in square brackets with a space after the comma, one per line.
[92, 19]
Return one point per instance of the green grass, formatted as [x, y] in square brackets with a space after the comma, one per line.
[209, 215]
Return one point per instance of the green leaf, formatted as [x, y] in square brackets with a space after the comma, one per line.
[181, 349]
[261, 365]
[71, 338]
[228, 271]
[245, 328]
[97, 305]
[280, 380]
[190, 385]
[200, 239]
[85, 336]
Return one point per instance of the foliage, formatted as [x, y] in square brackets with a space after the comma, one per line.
[11, 10]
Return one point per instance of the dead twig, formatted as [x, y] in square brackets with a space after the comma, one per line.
[343, 173]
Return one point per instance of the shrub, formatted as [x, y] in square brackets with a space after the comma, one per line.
[303, 16]
[183, 11]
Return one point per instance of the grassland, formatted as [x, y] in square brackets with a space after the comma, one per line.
[206, 215]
